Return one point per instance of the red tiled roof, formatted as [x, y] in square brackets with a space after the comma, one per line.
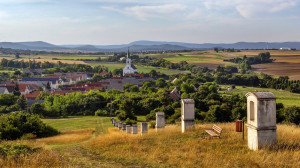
[32, 95]
[22, 87]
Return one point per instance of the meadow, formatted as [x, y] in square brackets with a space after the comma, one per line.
[282, 96]
[94, 142]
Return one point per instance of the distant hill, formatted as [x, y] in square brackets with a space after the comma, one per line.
[142, 46]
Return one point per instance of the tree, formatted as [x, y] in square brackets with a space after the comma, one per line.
[37, 108]
[23, 102]
[48, 87]
[161, 83]
[216, 49]
[17, 55]
[17, 90]
[117, 72]
[153, 73]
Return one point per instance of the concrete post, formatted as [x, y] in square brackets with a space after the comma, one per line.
[144, 127]
[124, 127]
[120, 125]
[116, 124]
[134, 129]
[128, 129]
[160, 120]
[112, 120]
[187, 114]
[261, 119]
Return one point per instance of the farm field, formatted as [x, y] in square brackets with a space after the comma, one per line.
[141, 69]
[282, 96]
[287, 63]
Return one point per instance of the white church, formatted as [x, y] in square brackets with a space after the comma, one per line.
[129, 68]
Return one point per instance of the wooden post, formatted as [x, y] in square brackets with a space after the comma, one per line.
[243, 130]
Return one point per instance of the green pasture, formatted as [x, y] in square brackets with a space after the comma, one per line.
[79, 122]
[282, 96]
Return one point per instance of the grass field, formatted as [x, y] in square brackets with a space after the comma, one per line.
[282, 96]
[94, 147]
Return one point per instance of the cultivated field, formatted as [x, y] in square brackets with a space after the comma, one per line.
[287, 63]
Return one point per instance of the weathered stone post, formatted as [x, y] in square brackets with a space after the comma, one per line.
[116, 124]
[124, 127]
[120, 125]
[134, 129]
[187, 114]
[160, 120]
[144, 127]
[112, 120]
[261, 119]
[128, 129]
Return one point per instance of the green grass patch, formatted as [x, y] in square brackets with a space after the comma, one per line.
[80, 122]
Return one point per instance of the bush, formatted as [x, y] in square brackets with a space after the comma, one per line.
[152, 124]
[15, 125]
[16, 150]
[101, 113]
[292, 114]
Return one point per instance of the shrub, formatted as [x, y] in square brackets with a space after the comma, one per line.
[152, 124]
[16, 150]
[15, 125]
[101, 113]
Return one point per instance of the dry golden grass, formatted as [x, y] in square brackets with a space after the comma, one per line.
[42, 158]
[171, 148]
[69, 137]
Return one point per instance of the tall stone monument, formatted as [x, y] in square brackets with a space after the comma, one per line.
[187, 114]
[261, 119]
[160, 120]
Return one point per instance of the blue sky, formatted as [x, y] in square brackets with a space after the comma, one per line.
[123, 21]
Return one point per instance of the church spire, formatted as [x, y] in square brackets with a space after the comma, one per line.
[128, 54]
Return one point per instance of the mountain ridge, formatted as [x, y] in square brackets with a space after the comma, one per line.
[144, 45]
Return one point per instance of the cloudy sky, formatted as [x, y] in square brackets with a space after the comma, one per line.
[123, 21]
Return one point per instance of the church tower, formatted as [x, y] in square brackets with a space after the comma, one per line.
[129, 68]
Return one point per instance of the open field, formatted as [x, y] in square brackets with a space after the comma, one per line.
[170, 148]
[287, 63]
[166, 148]
[282, 96]
[141, 69]
[77, 122]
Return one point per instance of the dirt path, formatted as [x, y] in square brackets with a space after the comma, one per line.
[75, 155]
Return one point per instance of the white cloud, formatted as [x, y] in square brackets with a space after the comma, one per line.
[146, 12]
[251, 8]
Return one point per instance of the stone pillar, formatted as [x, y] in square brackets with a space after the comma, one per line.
[120, 125]
[124, 127]
[116, 124]
[128, 129]
[144, 127]
[160, 120]
[187, 114]
[261, 119]
[134, 129]
[112, 120]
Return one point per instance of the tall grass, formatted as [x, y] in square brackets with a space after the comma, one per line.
[42, 158]
[171, 148]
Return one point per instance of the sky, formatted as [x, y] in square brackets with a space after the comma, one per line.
[104, 22]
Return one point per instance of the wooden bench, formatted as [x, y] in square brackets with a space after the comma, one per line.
[215, 131]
